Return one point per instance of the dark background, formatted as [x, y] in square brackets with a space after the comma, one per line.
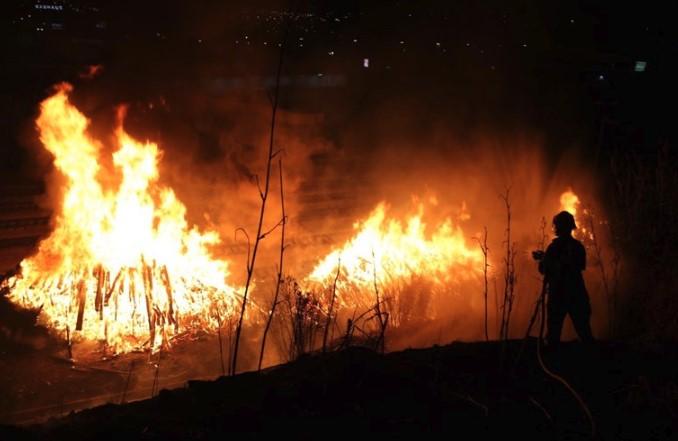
[565, 68]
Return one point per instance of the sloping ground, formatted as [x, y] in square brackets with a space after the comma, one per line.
[461, 388]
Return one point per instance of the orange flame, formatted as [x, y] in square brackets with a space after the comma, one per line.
[121, 266]
[387, 251]
[569, 201]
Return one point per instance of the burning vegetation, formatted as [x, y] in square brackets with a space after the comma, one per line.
[386, 252]
[121, 265]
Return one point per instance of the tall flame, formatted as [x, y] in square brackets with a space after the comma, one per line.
[122, 265]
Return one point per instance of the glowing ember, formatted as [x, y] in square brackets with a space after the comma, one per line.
[122, 265]
[395, 252]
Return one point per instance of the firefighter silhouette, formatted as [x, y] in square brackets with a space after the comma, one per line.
[562, 264]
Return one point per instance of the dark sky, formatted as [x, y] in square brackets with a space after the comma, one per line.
[560, 69]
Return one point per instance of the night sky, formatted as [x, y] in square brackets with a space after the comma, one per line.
[563, 70]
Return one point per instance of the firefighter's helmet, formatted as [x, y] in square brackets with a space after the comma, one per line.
[564, 221]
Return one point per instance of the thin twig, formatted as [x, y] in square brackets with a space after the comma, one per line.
[601, 267]
[261, 193]
[283, 222]
[509, 271]
[221, 346]
[250, 269]
[382, 323]
[129, 376]
[485, 250]
[329, 313]
[249, 245]
[540, 298]
[280, 222]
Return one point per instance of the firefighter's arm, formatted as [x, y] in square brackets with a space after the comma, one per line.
[546, 260]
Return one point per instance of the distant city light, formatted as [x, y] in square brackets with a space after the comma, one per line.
[49, 7]
[601, 77]
[640, 66]
[366, 63]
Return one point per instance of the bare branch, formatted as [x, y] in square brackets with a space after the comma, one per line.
[485, 250]
[509, 273]
[264, 197]
[329, 313]
[249, 246]
[283, 222]
[382, 323]
[261, 192]
[280, 223]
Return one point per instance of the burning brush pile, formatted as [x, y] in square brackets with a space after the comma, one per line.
[121, 265]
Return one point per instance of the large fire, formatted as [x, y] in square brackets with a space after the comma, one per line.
[386, 254]
[122, 265]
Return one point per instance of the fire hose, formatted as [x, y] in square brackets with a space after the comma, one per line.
[541, 309]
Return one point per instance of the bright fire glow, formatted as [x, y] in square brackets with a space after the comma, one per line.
[570, 202]
[121, 265]
[393, 252]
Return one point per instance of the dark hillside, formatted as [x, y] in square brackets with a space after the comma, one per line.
[458, 388]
